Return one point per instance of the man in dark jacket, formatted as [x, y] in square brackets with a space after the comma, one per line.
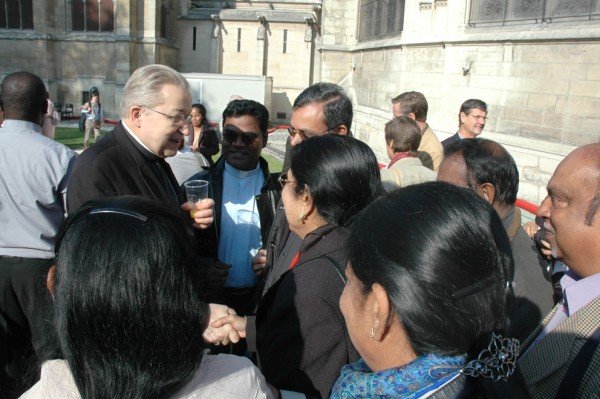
[246, 196]
[488, 169]
[471, 121]
[130, 160]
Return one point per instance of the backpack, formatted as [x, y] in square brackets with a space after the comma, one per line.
[82, 119]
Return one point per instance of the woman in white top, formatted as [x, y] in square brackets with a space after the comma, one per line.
[130, 311]
[95, 117]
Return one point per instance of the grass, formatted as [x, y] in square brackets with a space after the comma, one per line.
[275, 165]
[73, 138]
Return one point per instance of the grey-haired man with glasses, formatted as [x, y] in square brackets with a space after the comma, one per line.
[130, 160]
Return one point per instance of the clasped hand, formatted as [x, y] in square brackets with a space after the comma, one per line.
[224, 326]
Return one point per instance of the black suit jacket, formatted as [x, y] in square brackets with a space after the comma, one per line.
[452, 139]
[117, 165]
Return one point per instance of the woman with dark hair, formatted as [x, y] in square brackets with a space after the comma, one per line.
[129, 311]
[299, 334]
[425, 297]
[204, 138]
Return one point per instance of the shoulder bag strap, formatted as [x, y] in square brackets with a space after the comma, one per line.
[337, 267]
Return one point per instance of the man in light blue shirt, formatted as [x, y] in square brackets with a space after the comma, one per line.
[245, 195]
[34, 172]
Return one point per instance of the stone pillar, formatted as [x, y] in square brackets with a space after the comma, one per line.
[262, 46]
[215, 45]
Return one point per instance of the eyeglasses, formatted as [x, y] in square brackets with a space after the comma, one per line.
[283, 180]
[247, 137]
[305, 134]
[479, 117]
[176, 119]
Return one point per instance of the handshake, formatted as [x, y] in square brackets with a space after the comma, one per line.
[224, 326]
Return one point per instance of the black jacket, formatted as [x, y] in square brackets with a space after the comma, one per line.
[301, 335]
[117, 165]
[531, 296]
[450, 140]
[266, 203]
[278, 236]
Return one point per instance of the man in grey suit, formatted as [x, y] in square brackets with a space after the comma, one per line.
[561, 358]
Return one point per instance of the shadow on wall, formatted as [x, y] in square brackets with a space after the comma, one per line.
[282, 108]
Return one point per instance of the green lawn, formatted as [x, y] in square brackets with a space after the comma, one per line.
[73, 138]
[70, 136]
[275, 165]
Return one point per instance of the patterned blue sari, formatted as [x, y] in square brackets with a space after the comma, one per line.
[412, 380]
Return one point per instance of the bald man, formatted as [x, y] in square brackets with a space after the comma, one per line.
[561, 358]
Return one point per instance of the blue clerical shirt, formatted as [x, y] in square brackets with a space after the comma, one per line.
[240, 238]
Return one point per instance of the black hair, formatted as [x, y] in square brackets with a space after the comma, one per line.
[440, 252]
[237, 108]
[23, 97]
[594, 204]
[412, 102]
[202, 110]
[406, 134]
[129, 302]
[341, 173]
[488, 162]
[337, 107]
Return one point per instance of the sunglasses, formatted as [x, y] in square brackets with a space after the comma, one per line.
[283, 180]
[247, 137]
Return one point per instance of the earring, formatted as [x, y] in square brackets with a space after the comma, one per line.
[372, 333]
[302, 217]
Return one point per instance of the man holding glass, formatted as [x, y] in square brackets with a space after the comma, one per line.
[130, 160]
[246, 195]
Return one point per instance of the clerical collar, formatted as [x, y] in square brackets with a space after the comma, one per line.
[185, 149]
[242, 174]
[146, 152]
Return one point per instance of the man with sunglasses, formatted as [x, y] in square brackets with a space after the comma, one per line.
[245, 195]
[130, 160]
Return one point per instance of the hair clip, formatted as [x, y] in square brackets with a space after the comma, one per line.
[496, 362]
[118, 211]
[473, 288]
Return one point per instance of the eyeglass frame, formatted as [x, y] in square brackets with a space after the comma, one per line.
[478, 117]
[293, 132]
[182, 117]
[283, 180]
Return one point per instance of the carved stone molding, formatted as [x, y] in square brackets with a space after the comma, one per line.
[425, 5]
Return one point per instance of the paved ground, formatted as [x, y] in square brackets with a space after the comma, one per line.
[276, 144]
